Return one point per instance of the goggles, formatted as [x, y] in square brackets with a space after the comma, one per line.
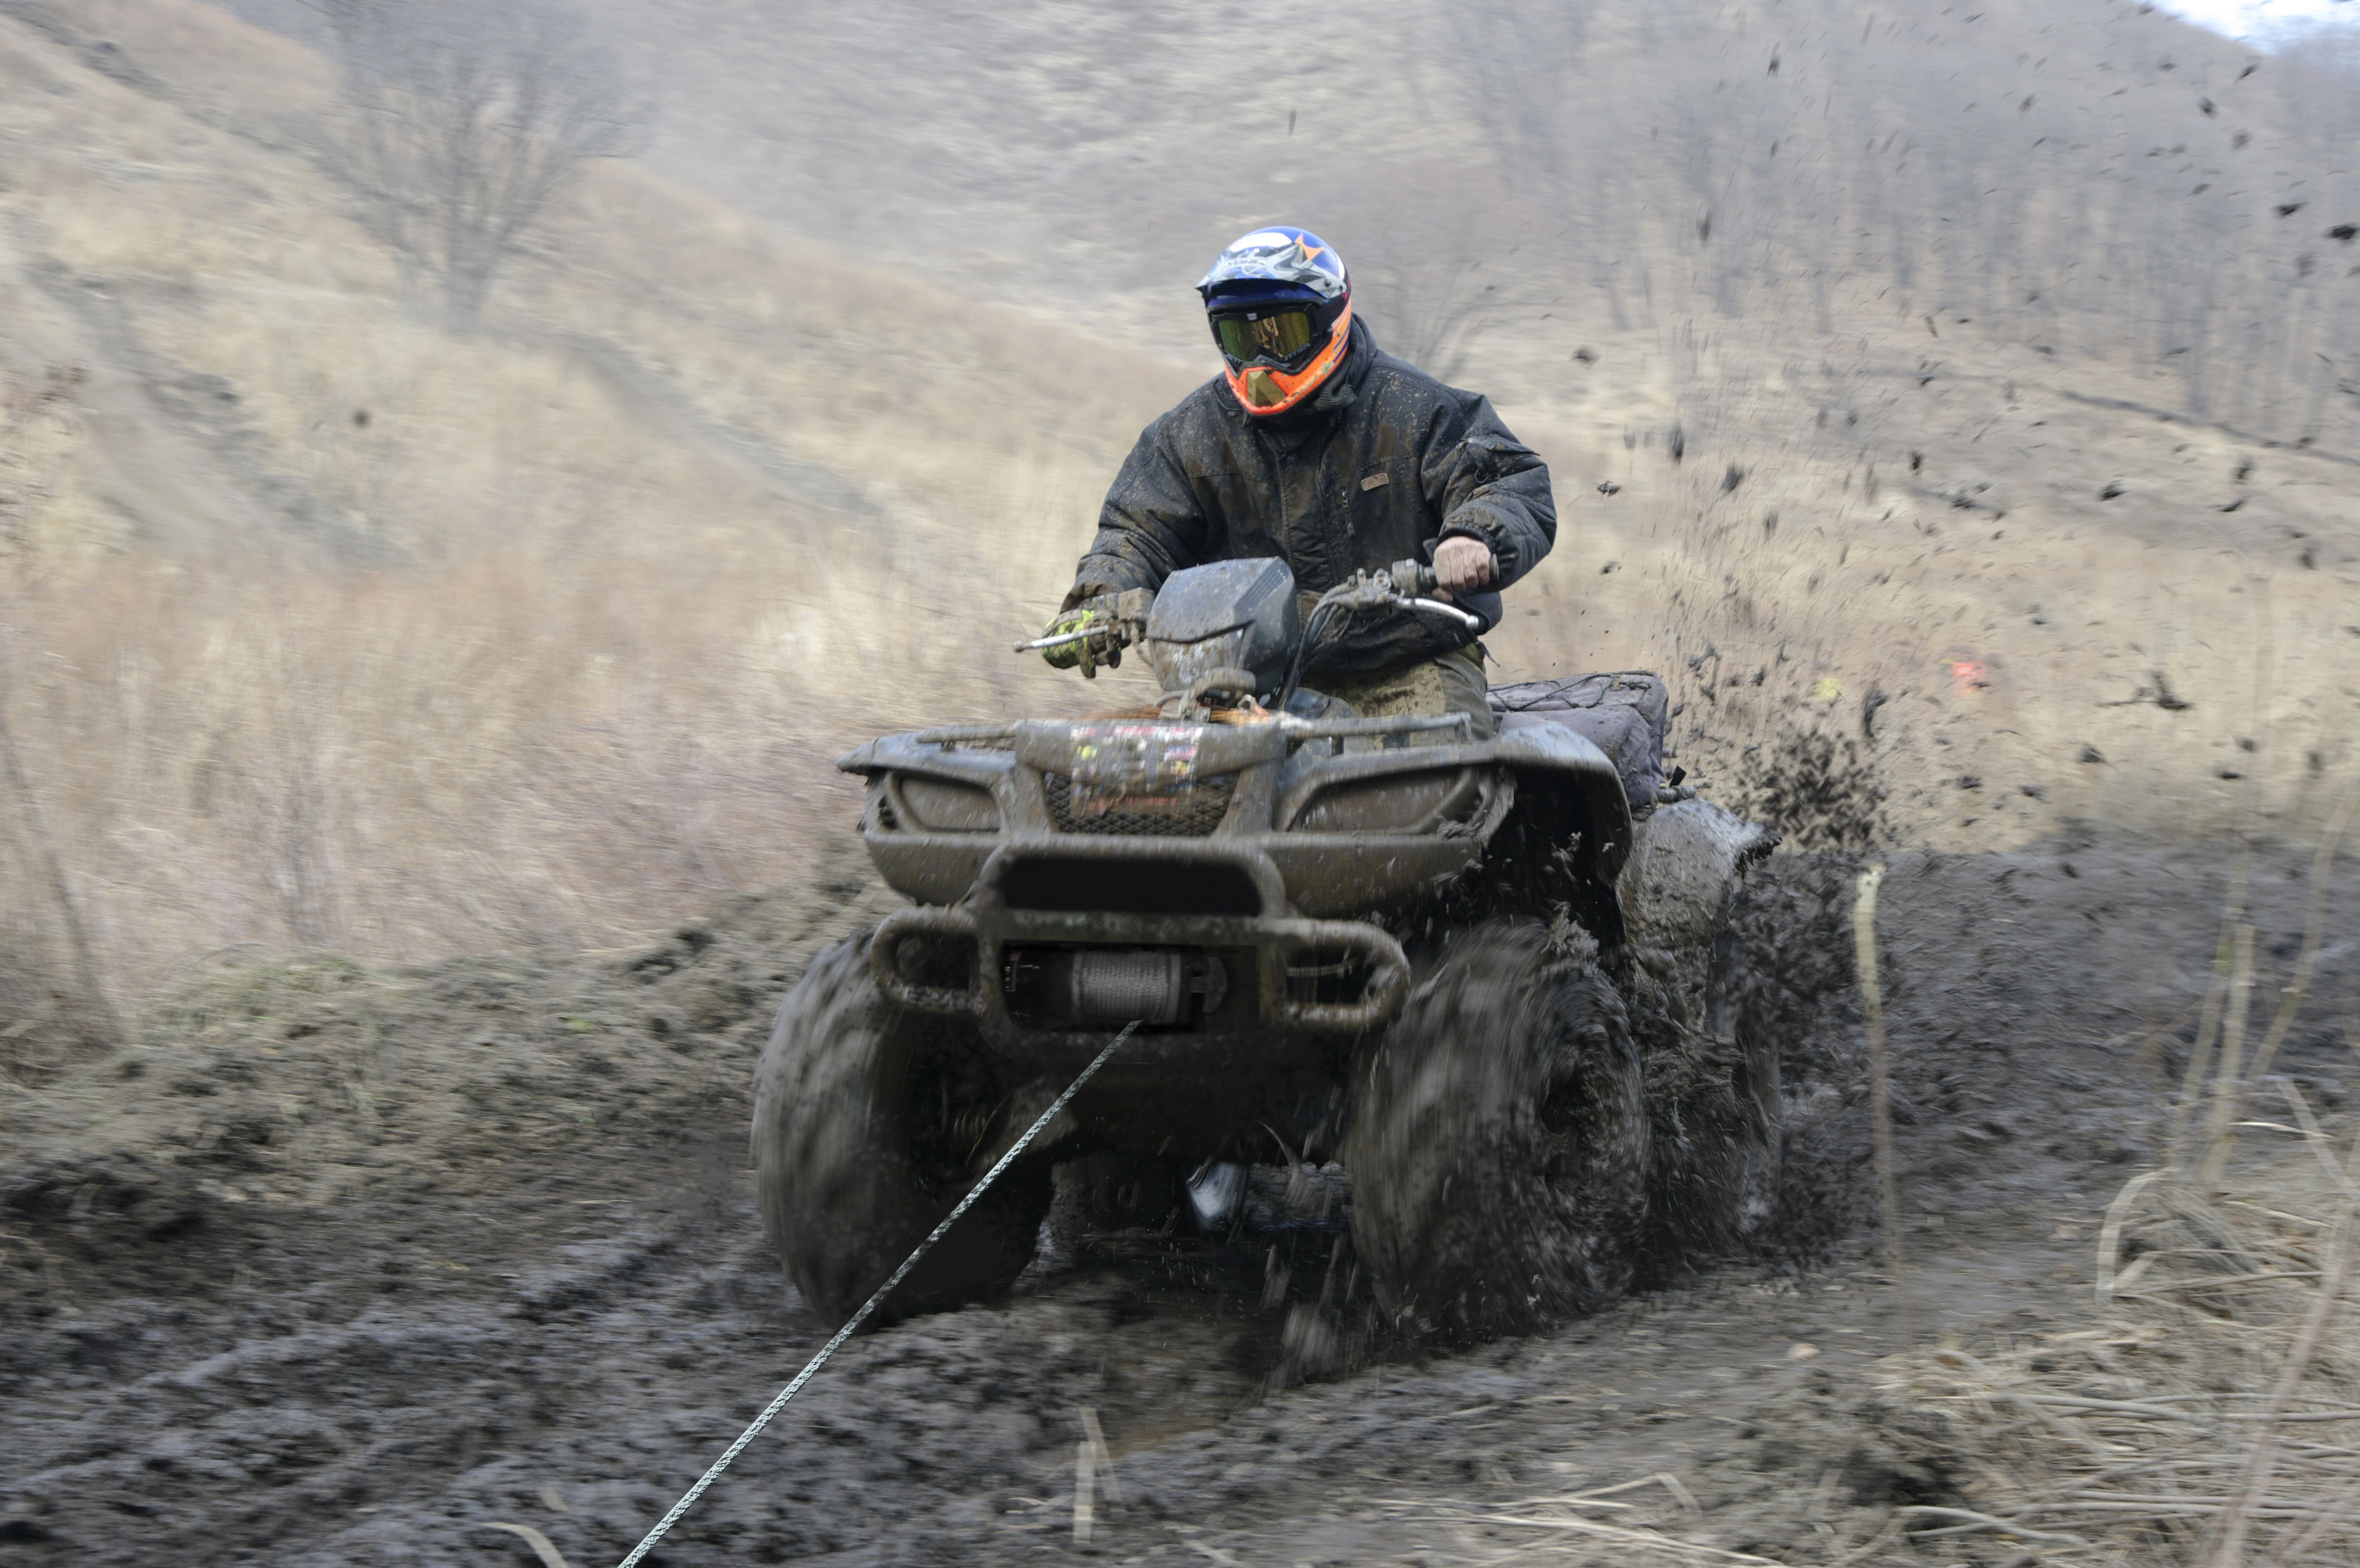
[1280, 335]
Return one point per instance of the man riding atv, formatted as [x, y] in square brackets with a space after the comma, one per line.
[1318, 448]
[1340, 910]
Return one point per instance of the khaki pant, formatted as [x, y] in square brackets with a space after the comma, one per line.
[1452, 684]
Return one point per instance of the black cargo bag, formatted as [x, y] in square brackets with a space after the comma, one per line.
[1624, 713]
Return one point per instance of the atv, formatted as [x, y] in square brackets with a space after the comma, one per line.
[1496, 980]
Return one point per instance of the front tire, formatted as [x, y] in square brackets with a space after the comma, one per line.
[866, 1118]
[1499, 1143]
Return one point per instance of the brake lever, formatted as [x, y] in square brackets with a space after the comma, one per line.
[1061, 639]
[1412, 581]
[1471, 621]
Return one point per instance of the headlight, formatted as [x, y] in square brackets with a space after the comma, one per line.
[923, 804]
[1437, 800]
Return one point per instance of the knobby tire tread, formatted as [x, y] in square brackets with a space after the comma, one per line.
[1500, 1146]
[866, 1120]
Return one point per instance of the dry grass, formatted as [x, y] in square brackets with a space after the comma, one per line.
[539, 638]
[409, 644]
[1605, 1526]
[483, 757]
[2204, 1416]
[559, 641]
[2207, 1412]
[2202, 1411]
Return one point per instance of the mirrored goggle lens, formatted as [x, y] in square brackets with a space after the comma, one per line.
[1279, 335]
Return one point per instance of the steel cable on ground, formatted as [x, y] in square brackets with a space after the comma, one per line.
[688, 1499]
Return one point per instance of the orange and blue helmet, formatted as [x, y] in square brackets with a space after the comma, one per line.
[1279, 302]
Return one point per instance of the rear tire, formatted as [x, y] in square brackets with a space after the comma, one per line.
[867, 1117]
[1499, 1142]
[1713, 1083]
[1734, 1011]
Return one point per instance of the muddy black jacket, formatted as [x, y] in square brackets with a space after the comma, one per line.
[1330, 488]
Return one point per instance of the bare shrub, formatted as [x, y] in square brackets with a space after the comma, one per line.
[1435, 314]
[1430, 294]
[50, 989]
[1816, 162]
[459, 124]
[53, 999]
[26, 406]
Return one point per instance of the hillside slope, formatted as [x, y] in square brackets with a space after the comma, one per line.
[329, 627]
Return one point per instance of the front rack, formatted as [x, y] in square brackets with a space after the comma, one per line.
[1003, 734]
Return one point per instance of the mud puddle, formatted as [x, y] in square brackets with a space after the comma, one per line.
[349, 1273]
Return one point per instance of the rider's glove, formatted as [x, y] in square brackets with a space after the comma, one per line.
[1065, 655]
[1101, 647]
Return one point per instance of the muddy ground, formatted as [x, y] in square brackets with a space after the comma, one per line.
[346, 1266]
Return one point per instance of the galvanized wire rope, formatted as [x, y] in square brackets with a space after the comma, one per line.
[688, 1499]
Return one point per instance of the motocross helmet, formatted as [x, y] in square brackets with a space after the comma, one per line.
[1280, 304]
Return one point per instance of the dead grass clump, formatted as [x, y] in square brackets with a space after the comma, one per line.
[2208, 1411]
[31, 1044]
[249, 989]
[2210, 1408]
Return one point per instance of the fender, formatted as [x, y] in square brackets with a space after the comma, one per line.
[1678, 888]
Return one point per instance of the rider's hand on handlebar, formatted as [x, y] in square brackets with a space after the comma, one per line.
[1065, 655]
[1096, 631]
[1461, 565]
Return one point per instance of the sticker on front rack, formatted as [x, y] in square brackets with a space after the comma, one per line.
[1139, 767]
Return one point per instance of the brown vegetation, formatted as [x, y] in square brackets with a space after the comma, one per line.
[326, 626]
[2202, 1413]
[1961, 404]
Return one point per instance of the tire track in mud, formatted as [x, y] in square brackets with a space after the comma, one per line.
[230, 1338]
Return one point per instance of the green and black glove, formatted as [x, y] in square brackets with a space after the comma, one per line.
[1067, 655]
[1111, 622]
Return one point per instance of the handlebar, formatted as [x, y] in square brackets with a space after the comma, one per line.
[1404, 585]
[1062, 639]
[1473, 622]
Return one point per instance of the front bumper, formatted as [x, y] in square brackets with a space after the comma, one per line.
[1241, 910]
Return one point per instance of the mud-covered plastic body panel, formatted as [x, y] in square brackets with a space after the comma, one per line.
[1353, 832]
[1676, 891]
[1273, 854]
